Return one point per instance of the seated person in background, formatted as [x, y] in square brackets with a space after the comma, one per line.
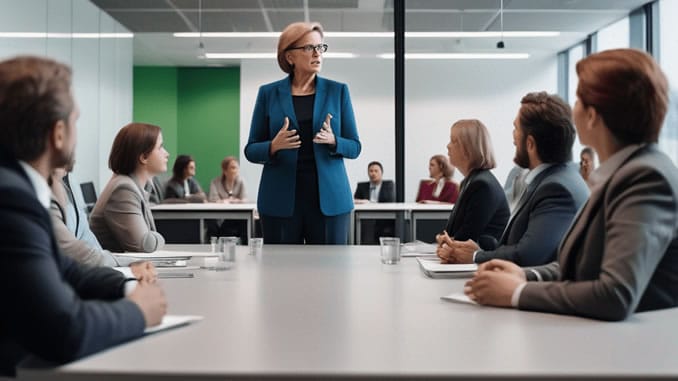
[121, 218]
[56, 310]
[228, 187]
[481, 210]
[182, 185]
[515, 185]
[621, 254]
[543, 135]
[156, 191]
[72, 232]
[376, 190]
[587, 163]
[441, 188]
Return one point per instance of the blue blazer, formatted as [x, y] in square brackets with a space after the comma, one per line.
[278, 180]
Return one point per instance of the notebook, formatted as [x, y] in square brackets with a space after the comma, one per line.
[173, 321]
[434, 269]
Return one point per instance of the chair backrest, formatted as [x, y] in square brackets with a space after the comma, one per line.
[89, 194]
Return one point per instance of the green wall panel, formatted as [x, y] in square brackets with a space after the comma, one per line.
[155, 102]
[209, 118]
[198, 110]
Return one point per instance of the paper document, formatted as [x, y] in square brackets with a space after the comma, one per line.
[166, 254]
[458, 297]
[417, 249]
[435, 269]
[172, 321]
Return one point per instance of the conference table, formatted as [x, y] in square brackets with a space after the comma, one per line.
[336, 312]
[206, 211]
[400, 212]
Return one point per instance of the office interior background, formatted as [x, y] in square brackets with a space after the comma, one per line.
[130, 65]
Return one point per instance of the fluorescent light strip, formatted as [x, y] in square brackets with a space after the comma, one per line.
[64, 35]
[513, 34]
[243, 56]
[459, 56]
[480, 34]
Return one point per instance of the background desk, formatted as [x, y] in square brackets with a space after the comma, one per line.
[402, 213]
[206, 211]
[337, 312]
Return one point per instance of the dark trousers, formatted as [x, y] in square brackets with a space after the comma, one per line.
[308, 224]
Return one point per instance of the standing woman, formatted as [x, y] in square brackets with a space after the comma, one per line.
[302, 129]
[229, 187]
[122, 219]
[440, 188]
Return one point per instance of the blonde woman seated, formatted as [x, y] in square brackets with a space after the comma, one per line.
[440, 188]
[121, 218]
[228, 187]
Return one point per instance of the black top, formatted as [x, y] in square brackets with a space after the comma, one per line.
[303, 108]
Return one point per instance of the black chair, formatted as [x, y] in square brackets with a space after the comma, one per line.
[89, 195]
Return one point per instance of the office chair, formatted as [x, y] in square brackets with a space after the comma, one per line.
[89, 194]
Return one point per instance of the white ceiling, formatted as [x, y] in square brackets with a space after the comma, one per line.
[154, 21]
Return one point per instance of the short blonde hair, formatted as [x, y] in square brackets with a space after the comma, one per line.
[475, 140]
[291, 35]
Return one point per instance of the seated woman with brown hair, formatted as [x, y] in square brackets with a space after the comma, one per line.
[440, 188]
[620, 255]
[122, 219]
[228, 187]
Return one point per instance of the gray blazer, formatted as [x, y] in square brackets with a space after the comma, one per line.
[541, 217]
[122, 219]
[621, 254]
[219, 192]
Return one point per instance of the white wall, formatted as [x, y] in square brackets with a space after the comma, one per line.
[437, 94]
[102, 70]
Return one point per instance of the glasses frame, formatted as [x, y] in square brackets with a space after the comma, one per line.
[320, 48]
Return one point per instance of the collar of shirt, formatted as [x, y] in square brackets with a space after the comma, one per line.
[533, 173]
[39, 183]
[600, 175]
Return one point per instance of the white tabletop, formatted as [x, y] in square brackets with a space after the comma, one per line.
[402, 206]
[338, 312]
[204, 207]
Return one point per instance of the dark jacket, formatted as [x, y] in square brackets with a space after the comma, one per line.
[481, 210]
[55, 309]
[386, 192]
[541, 217]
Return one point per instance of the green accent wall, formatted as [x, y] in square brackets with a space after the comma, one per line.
[200, 109]
[155, 102]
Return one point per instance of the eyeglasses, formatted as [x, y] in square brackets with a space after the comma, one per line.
[320, 48]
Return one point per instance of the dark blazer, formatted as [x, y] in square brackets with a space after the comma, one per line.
[481, 210]
[278, 179]
[621, 254]
[56, 309]
[175, 189]
[541, 217]
[386, 192]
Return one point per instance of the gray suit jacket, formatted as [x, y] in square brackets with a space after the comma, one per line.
[122, 219]
[621, 254]
[541, 217]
